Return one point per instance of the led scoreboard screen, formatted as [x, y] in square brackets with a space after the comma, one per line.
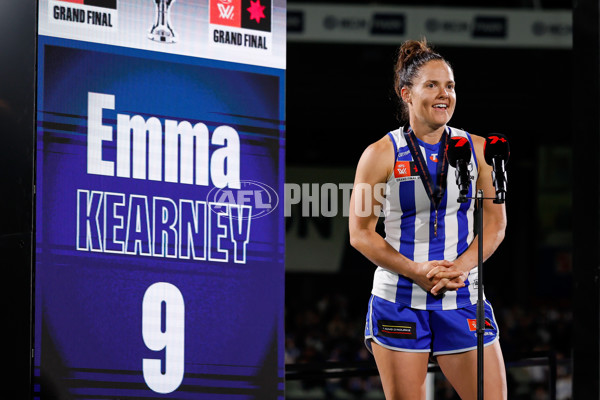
[159, 176]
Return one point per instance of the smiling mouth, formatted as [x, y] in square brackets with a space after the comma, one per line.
[441, 106]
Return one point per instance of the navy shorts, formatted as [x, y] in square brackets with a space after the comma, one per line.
[401, 328]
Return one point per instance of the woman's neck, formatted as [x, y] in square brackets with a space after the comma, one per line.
[428, 134]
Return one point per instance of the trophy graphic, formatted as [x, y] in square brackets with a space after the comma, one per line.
[161, 31]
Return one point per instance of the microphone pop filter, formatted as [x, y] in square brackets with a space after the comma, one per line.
[458, 148]
[496, 146]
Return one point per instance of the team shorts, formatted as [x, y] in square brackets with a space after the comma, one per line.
[401, 328]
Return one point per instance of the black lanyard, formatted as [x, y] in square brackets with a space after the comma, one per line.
[435, 194]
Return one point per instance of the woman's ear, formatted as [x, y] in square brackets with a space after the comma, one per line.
[405, 94]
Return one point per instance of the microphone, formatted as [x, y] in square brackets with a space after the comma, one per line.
[496, 152]
[458, 150]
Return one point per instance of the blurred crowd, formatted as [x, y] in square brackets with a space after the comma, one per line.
[325, 326]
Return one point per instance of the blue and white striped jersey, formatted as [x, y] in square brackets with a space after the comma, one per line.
[409, 227]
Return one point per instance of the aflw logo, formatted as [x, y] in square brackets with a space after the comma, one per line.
[226, 12]
[226, 9]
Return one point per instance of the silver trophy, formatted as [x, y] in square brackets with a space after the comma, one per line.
[161, 31]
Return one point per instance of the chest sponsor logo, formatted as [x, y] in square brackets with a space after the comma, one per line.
[93, 14]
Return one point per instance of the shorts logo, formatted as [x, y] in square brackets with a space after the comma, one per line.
[473, 324]
[397, 329]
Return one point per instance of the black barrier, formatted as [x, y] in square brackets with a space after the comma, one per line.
[342, 369]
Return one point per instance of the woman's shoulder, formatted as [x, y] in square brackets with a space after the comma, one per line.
[477, 140]
[380, 147]
[378, 157]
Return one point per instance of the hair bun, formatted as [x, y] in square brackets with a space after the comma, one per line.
[412, 49]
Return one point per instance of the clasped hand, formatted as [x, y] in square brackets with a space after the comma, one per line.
[439, 276]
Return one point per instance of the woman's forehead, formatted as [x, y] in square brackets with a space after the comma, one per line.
[436, 70]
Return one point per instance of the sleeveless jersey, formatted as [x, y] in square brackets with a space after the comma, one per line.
[409, 226]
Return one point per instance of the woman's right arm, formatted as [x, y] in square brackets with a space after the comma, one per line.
[374, 167]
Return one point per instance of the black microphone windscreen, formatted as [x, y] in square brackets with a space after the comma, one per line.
[496, 146]
[458, 148]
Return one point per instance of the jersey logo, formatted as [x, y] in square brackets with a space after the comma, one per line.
[406, 171]
[433, 157]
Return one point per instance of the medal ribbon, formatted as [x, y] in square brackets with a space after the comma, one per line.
[435, 194]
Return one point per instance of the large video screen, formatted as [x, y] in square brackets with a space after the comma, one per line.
[159, 172]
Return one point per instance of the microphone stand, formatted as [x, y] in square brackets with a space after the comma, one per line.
[480, 305]
[499, 183]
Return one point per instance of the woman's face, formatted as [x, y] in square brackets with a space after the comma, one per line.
[432, 99]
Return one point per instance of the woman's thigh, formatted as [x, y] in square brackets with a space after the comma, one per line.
[461, 371]
[402, 374]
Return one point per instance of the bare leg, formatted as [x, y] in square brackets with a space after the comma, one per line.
[461, 371]
[402, 373]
